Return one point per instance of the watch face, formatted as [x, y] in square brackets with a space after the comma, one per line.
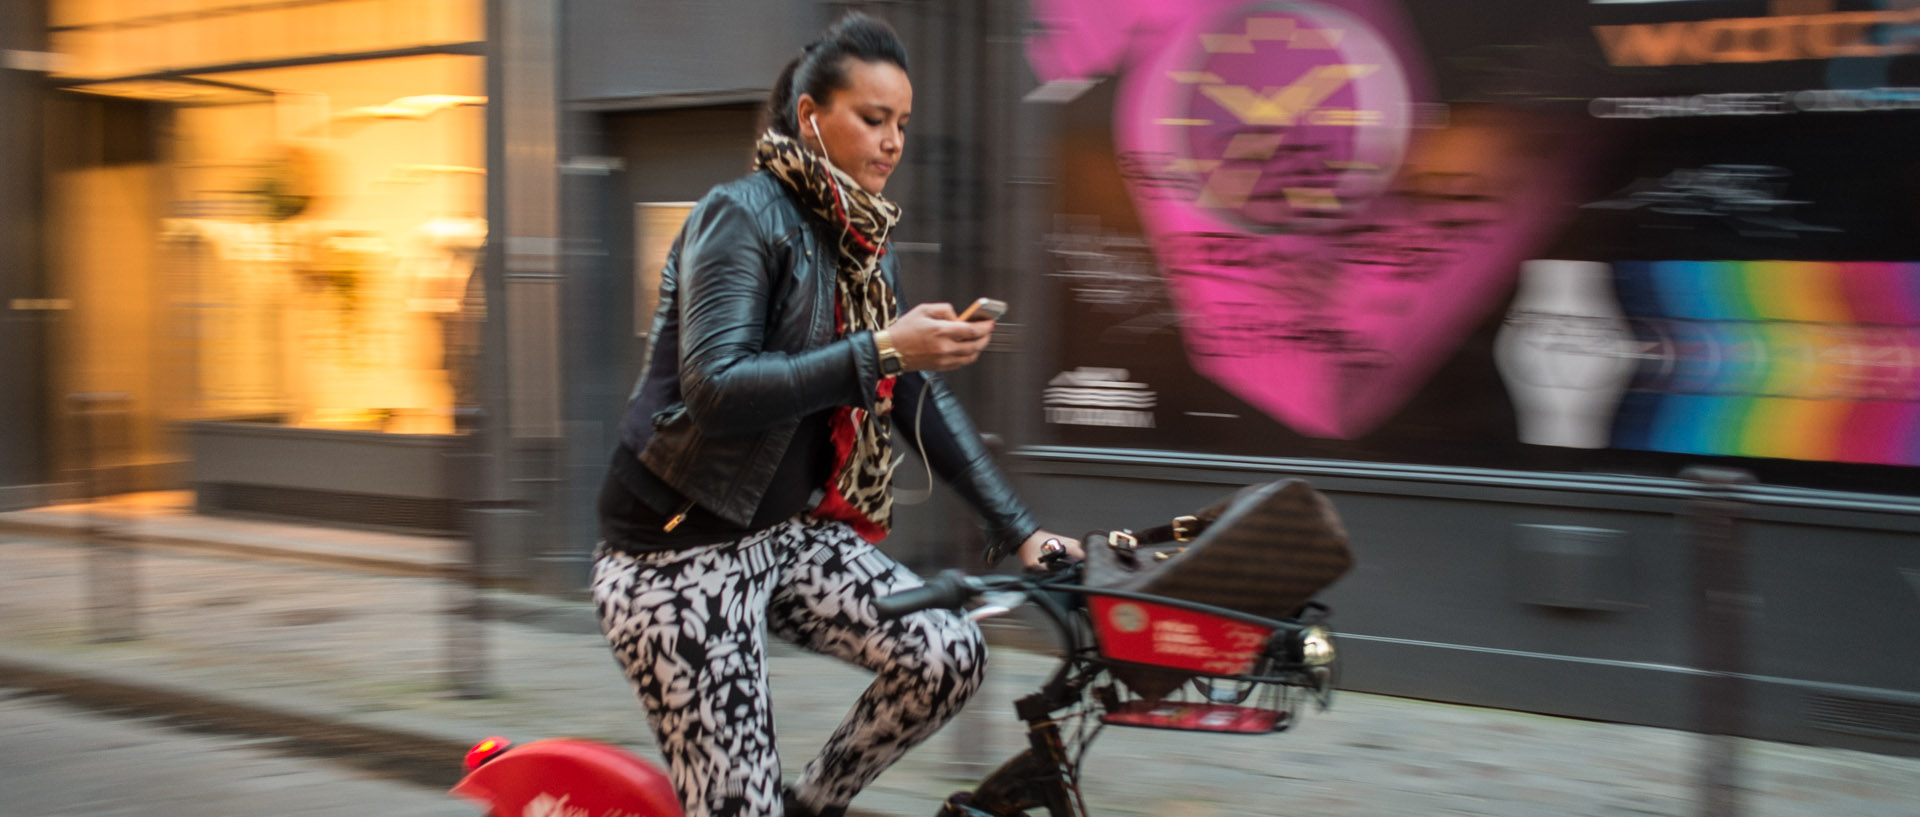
[1291, 116]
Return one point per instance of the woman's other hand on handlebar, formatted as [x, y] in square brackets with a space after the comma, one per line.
[930, 337]
[1033, 551]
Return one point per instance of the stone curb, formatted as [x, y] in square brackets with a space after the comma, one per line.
[424, 759]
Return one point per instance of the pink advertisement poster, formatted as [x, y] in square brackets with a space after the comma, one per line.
[1327, 231]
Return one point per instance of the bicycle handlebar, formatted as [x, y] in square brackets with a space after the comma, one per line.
[953, 587]
[950, 589]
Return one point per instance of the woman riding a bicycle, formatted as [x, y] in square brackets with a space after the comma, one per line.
[753, 476]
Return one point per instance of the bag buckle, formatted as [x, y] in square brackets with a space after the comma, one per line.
[1185, 528]
[1122, 540]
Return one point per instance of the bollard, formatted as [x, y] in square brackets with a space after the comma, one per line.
[1720, 625]
[113, 582]
[466, 612]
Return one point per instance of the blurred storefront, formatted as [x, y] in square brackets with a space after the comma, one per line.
[273, 231]
[265, 220]
[1516, 288]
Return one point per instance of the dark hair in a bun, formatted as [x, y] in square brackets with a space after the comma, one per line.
[822, 68]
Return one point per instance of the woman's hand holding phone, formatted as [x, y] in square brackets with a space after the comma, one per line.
[931, 337]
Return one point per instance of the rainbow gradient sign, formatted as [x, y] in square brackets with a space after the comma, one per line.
[1801, 360]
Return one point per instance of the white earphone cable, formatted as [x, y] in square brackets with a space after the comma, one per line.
[919, 445]
[846, 222]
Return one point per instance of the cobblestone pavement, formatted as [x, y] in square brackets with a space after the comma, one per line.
[343, 638]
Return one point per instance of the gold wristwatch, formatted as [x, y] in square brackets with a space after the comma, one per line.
[891, 361]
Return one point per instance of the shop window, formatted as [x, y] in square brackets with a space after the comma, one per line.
[305, 243]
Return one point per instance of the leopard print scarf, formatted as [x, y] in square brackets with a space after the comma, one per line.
[861, 490]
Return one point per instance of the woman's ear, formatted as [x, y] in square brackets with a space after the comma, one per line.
[804, 109]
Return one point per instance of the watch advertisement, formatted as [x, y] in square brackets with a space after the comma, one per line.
[1566, 234]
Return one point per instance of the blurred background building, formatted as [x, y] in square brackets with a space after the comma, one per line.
[255, 217]
[1493, 280]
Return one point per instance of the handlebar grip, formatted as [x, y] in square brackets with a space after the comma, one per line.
[948, 590]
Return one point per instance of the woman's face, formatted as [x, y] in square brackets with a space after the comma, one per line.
[863, 126]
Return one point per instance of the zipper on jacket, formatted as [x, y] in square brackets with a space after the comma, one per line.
[678, 517]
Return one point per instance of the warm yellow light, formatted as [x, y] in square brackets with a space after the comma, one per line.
[95, 38]
[411, 107]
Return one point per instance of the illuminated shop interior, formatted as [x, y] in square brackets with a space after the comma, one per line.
[268, 211]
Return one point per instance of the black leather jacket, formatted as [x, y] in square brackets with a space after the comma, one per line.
[743, 347]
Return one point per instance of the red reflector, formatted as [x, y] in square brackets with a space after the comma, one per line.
[485, 751]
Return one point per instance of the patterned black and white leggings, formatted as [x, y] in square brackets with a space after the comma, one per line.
[686, 626]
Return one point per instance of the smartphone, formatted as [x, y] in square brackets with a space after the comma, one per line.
[984, 309]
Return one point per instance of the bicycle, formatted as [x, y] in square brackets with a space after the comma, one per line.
[1128, 658]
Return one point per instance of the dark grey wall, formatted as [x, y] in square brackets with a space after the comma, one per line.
[665, 156]
[676, 155]
[1452, 599]
[621, 50]
[23, 335]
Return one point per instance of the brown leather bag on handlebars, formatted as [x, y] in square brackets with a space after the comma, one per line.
[1266, 550]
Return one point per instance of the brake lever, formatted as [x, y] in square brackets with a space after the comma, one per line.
[1053, 560]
